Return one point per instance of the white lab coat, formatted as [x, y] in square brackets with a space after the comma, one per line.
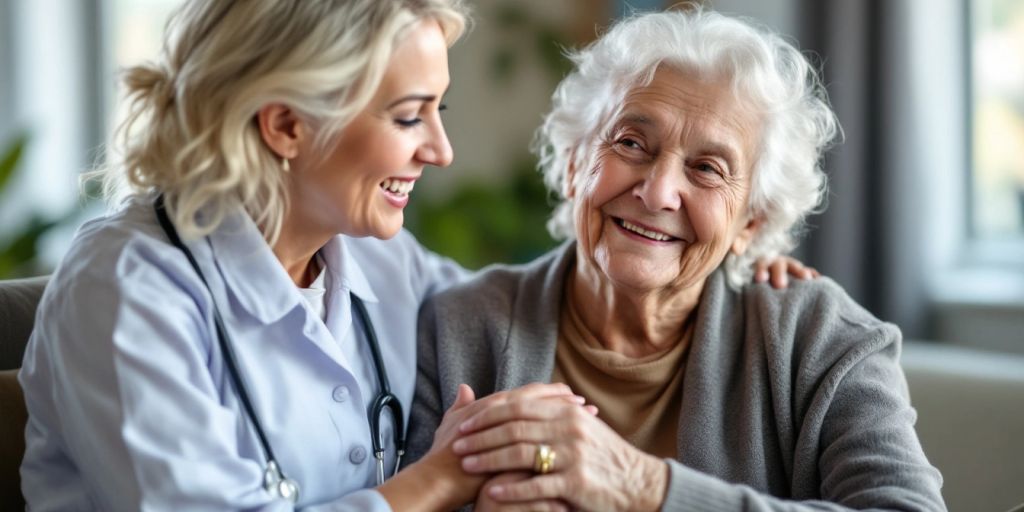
[132, 408]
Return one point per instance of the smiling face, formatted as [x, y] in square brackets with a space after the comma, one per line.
[362, 186]
[666, 198]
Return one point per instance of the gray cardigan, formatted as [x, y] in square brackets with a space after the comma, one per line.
[792, 399]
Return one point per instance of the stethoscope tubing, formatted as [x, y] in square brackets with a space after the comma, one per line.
[275, 481]
[223, 340]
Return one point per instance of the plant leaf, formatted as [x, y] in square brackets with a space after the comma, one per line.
[11, 156]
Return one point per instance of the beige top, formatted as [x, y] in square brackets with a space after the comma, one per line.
[639, 398]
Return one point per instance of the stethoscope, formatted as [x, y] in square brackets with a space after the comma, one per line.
[274, 479]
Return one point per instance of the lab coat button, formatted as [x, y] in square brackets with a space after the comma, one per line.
[357, 455]
[340, 393]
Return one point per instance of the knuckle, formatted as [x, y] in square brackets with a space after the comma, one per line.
[519, 409]
[526, 451]
[576, 430]
[517, 430]
[577, 481]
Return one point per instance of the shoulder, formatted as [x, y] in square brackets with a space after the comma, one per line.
[494, 290]
[116, 243]
[123, 253]
[816, 324]
[120, 285]
[821, 298]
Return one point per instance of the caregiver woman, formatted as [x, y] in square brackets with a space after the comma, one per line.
[282, 139]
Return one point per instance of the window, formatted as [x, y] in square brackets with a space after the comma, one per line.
[997, 83]
[137, 29]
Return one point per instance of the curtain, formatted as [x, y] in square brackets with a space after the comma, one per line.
[896, 216]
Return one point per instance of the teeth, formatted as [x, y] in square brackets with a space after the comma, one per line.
[400, 187]
[653, 235]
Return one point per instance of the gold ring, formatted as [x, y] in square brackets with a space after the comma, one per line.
[544, 460]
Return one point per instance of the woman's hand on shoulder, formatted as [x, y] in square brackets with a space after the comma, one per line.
[777, 271]
[593, 467]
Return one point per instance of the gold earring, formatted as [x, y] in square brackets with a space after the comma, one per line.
[285, 166]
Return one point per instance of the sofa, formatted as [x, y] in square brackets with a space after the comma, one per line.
[970, 408]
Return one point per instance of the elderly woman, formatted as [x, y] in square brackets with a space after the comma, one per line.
[685, 145]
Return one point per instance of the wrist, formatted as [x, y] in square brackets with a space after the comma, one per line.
[420, 486]
[653, 486]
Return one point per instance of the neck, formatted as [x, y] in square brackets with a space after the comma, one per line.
[635, 323]
[296, 250]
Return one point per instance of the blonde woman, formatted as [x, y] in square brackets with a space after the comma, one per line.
[265, 130]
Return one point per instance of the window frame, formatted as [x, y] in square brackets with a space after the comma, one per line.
[980, 251]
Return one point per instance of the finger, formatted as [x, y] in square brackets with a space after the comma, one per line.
[531, 391]
[814, 272]
[523, 409]
[506, 434]
[527, 392]
[463, 397]
[760, 271]
[519, 456]
[794, 266]
[532, 506]
[778, 269]
[542, 487]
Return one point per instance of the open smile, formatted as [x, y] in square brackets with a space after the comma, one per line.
[643, 231]
[396, 190]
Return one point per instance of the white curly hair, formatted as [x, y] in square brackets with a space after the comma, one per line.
[766, 72]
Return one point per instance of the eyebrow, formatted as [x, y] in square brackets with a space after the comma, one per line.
[415, 97]
[638, 119]
[412, 97]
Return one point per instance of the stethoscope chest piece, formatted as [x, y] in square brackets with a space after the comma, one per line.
[279, 486]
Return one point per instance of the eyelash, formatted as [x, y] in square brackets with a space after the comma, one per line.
[629, 143]
[409, 123]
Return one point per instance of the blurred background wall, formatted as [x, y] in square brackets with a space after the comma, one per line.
[925, 225]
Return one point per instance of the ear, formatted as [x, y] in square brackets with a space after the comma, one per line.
[281, 130]
[745, 236]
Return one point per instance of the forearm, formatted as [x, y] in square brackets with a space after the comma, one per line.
[419, 487]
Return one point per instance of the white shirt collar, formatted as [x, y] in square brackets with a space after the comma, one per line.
[257, 279]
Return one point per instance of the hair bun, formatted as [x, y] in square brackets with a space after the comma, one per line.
[149, 82]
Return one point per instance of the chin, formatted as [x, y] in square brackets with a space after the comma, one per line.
[389, 230]
[635, 277]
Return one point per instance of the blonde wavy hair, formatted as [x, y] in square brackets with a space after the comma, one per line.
[190, 132]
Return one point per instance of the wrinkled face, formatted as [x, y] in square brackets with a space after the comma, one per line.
[363, 185]
[666, 197]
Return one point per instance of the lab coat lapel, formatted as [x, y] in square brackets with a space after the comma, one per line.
[259, 284]
[344, 278]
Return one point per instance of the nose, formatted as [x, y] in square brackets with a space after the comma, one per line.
[662, 187]
[436, 150]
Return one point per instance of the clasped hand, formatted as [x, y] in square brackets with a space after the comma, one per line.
[497, 439]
